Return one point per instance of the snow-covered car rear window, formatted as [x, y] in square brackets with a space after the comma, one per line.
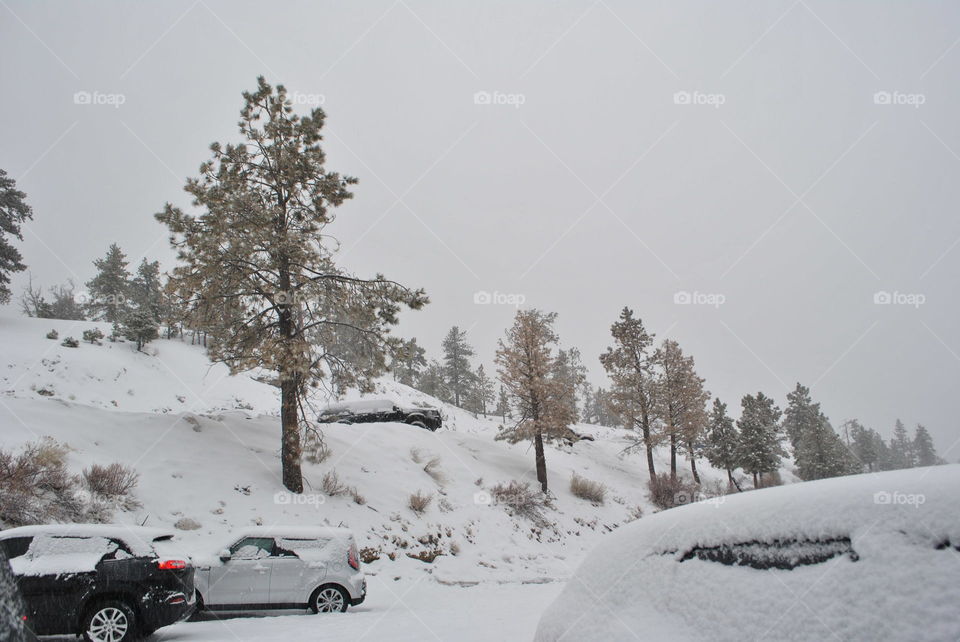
[782, 554]
[49, 555]
[314, 551]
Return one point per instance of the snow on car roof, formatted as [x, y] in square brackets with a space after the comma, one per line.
[361, 405]
[137, 538]
[114, 531]
[295, 532]
[903, 527]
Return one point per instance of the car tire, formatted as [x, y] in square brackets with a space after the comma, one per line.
[329, 598]
[417, 420]
[110, 621]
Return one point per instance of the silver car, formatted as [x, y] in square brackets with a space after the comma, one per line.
[283, 568]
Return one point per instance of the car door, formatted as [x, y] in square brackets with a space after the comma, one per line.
[294, 578]
[243, 581]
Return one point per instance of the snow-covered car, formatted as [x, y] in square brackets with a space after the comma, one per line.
[108, 583]
[866, 557]
[293, 567]
[381, 410]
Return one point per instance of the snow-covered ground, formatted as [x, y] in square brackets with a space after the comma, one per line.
[206, 445]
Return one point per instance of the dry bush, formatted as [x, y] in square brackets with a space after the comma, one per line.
[416, 455]
[187, 524]
[332, 486]
[589, 490]
[521, 499]
[113, 481]
[634, 513]
[357, 497]
[667, 492]
[35, 486]
[419, 502]
[432, 468]
[770, 479]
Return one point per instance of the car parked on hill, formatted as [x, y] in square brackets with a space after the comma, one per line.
[107, 583]
[366, 411]
[284, 568]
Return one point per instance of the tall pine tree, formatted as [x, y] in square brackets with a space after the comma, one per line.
[109, 289]
[923, 447]
[258, 263]
[457, 371]
[760, 441]
[14, 211]
[723, 441]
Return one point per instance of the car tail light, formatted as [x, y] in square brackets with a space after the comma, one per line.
[177, 598]
[171, 565]
[352, 558]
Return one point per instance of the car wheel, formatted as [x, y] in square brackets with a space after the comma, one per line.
[110, 621]
[329, 599]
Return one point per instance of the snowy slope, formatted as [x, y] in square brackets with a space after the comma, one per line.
[206, 446]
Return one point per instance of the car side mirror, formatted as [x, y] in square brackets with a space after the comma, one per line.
[225, 555]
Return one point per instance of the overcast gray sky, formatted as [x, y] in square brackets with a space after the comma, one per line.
[781, 163]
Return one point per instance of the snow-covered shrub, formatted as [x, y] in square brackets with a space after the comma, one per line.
[35, 486]
[53, 334]
[432, 468]
[667, 492]
[419, 502]
[115, 481]
[332, 486]
[93, 336]
[589, 490]
[521, 499]
[187, 524]
[357, 497]
[70, 342]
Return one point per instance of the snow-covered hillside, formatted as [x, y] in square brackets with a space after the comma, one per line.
[206, 446]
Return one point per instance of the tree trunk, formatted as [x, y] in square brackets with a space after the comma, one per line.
[755, 482]
[290, 429]
[673, 455]
[648, 446]
[729, 476]
[541, 461]
[693, 468]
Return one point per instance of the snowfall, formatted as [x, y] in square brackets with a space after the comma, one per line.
[206, 446]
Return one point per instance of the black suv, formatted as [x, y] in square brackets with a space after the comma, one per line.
[368, 411]
[107, 583]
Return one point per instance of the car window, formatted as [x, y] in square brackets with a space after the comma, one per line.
[781, 554]
[299, 547]
[252, 548]
[68, 545]
[15, 546]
